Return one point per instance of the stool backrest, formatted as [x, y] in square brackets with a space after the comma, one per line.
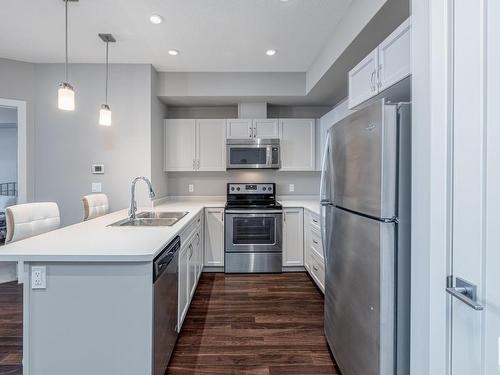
[31, 219]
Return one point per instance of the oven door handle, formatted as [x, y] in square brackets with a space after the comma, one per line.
[260, 212]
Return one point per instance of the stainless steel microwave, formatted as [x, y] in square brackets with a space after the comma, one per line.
[253, 153]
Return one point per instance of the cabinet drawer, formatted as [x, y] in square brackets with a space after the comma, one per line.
[315, 225]
[191, 228]
[316, 244]
[318, 271]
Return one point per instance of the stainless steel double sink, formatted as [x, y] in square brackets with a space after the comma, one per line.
[151, 219]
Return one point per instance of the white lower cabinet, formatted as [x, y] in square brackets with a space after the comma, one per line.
[190, 265]
[183, 296]
[293, 237]
[214, 237]
[313, 249]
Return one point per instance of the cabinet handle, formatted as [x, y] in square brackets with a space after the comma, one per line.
[315, 221]
[378, 75]
[315, 268]
[372, 80]
[250, 131]
[198, 235]
[190, 251]
[194, 164]
[222, 216]
[316, 242]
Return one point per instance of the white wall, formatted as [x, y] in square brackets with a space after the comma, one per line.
[68, 143]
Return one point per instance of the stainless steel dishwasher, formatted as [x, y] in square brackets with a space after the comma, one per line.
[165, 278]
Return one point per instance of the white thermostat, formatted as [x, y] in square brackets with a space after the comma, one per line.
[98, 168]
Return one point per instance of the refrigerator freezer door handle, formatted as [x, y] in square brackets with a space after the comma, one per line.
[324, 202]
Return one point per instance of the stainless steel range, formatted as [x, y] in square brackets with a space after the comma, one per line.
[253, 228]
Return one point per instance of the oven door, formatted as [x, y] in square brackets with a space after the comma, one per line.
[249, 157]
[253, 231]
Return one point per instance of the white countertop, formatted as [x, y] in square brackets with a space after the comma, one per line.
[94, 241]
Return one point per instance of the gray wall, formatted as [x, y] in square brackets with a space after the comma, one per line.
[68, 143]
[158, 114]
[17, 80]
[214, 183]
[8, 154]
[230, 111]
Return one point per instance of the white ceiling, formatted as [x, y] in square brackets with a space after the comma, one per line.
[212, 35]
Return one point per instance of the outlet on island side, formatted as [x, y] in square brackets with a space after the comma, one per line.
[191, 188]
[291, 188]
[38, 277]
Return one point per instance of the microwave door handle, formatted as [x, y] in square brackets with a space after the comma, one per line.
[269, 156]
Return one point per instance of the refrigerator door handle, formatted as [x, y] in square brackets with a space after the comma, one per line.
[324, 201]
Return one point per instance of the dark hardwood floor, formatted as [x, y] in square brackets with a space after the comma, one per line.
[11, 328]
[237, 324]
[254, 324]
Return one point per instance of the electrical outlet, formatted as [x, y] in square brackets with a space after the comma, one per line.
[291, 188]
[38, 277]
[191, 188]
[96, 187]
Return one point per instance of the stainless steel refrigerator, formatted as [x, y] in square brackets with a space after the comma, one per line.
[365, 220]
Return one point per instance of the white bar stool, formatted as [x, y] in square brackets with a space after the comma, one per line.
[95, 205]
[28, 220]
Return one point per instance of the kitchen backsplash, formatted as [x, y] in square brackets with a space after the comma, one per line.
[214, 183]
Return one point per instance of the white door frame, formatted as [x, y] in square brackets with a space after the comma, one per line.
[22, 169]
[431, 173]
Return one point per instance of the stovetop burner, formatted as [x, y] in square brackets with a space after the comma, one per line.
[252, 196]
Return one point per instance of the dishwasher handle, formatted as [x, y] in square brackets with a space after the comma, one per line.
[165, 257]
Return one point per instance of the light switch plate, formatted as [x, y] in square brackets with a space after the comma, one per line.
[96, 187]
[38, 277]
[191, 188]
[291, 188]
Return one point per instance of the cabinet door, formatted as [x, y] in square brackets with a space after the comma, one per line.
[298, 144]
[192, 279]
[293, 237]
[199, 253]
[395, 56]
[214, 237]
[263, 128]
[180, 145]
[211, 145]
[183, 285]
[307, 240]
[239, 129]
[363, 80]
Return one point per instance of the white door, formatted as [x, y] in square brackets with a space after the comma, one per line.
[293, 237]
[363, 80]
[298, 144]
[211, 145]
[239, 129]
[475, 239]
[394, 56]
[214, 237]
[265, 128]
[180, 145]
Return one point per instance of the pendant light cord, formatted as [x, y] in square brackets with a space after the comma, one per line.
[66, 40]
[106, 94]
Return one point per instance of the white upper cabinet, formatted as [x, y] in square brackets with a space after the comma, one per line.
[394, 56]
[388, 64]
[211, 145]
[363, 80]
[239, 128]
[293, 237]
[265, 128]
[180, 145]
[297, 142]
[195, 145]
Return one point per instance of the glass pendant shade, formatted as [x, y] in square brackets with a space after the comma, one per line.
[66, 97]
[105, 115]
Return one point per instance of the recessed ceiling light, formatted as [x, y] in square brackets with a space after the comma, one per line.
[271, 52]
[173, 52]
[284, 1]
[156, 19]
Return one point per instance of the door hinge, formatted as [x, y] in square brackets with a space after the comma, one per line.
[449, 281]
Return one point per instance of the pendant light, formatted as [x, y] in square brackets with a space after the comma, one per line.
[65, 92]
[105, 111]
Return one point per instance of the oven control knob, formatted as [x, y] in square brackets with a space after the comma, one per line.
[232, 189]
[238, 188]
[264, 189]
